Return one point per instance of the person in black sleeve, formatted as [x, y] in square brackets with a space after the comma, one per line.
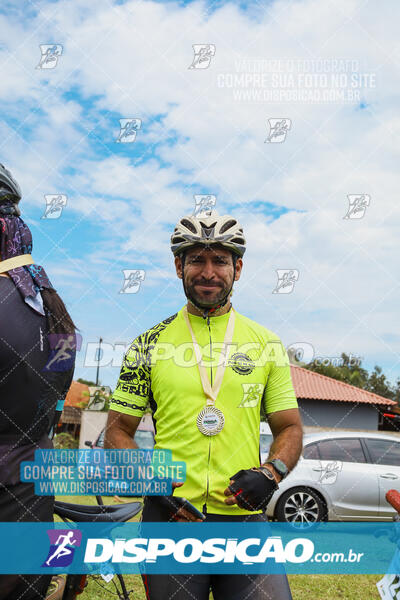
[37, 358]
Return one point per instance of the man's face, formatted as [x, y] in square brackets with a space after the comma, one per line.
[208, 273]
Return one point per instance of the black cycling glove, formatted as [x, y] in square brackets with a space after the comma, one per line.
[253, 488]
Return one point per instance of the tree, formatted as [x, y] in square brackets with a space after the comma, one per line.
[378, 384]
[86, 381]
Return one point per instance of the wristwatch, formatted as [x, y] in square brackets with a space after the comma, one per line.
[279, 467]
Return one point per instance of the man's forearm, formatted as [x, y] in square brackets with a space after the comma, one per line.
[118, 438]
[287, 446]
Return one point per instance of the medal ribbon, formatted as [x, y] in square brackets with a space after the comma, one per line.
[211, 392]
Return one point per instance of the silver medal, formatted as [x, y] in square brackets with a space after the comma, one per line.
[210, 420]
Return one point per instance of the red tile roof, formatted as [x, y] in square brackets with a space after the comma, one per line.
[76, 394]
[308, 384]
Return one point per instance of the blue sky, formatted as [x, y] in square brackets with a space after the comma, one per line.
[201, 135]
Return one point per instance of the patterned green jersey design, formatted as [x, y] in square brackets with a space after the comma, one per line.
[160, 368]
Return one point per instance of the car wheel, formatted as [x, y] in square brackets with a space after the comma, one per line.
[300, 506]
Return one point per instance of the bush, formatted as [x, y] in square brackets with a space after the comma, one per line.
[65, 441]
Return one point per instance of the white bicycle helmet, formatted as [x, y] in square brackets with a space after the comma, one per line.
[208, 229]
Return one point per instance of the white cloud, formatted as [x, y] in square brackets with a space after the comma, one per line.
[132, 61]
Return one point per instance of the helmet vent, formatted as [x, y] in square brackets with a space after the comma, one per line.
[205, 226]
[227, 225]
[189, 225]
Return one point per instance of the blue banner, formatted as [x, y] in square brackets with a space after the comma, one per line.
[327, 548]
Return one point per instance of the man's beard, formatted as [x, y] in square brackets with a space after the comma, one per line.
[201, 300]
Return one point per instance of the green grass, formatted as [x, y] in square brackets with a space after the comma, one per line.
[304, 587]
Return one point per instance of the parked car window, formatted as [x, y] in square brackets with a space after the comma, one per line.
[100, 439]
[265, 442]
[144, 439]
[384, 452]
[311, 452]
[344, 449]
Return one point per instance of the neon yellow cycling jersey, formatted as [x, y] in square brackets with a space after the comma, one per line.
[160, 368]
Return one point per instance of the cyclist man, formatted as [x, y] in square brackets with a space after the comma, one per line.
[209, 416]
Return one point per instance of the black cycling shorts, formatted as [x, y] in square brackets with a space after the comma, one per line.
[197, 587]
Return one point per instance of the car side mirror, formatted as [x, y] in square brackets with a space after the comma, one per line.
[88, 443]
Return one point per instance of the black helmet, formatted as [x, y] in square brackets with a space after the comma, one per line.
[10, 193]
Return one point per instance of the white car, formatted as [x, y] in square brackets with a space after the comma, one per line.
[265, 440]
[341, 476]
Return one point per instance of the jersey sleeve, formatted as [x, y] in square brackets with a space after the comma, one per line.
[279, 393]
[132, 392]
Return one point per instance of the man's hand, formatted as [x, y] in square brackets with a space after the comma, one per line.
[287, 430]
[251, 489]
[178, 513]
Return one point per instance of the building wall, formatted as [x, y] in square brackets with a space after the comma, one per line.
[341, 415]
[92, 422]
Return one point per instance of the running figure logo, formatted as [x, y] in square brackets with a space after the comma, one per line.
[50, 54]
[204, 204]
[286, 280]
[203, 54]
[278, 129]
[132, 281]
[63, 347]
[128, 130]
[54, 205]
[62, 547]
[357, 206]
